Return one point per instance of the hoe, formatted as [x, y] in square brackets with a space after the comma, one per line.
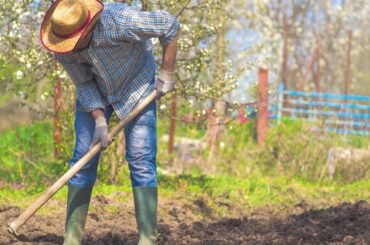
[32, 209]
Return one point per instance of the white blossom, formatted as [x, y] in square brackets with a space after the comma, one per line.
[19, 74]
[63, 75]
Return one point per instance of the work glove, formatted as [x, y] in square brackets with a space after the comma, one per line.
[164, 83]
[101, 133]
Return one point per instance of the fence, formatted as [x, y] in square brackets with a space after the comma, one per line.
[339, 113]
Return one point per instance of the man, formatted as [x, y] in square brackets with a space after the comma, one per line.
[107, 52]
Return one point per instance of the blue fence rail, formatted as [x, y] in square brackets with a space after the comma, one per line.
[339, 113]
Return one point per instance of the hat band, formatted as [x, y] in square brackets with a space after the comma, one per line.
[77, 31]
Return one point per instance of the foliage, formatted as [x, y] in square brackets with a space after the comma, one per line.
[270, 24]
[201, 75]
[25, 64]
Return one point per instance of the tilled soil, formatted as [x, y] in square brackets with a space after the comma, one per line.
[181, 223]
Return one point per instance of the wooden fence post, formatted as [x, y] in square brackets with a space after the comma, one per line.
[262, 115]
[171, 142]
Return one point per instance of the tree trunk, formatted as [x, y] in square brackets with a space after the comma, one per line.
[347, 75]
[171, 142]
[284, 66]
[216, 126]
[117, 160]
[57, 108]
[216, 120]
[317, 70]
[314, 59]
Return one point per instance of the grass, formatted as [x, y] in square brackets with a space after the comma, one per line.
[26, 151]
[291, 150]
[266, 190]
[246, 194]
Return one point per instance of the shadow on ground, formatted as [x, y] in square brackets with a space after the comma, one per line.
[343, 224]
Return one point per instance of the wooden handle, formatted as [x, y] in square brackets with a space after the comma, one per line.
[32, 209]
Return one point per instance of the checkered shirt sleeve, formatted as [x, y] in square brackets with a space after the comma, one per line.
[87, 92]
[138, 26]
[118, 67]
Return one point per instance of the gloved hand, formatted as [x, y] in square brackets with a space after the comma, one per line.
[164, 83]
[101, 133]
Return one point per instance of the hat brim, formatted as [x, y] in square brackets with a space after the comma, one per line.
[63, 45]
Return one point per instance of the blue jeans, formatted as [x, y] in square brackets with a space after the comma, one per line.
[141, 147]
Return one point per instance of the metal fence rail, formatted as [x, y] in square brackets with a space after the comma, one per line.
[339, 113]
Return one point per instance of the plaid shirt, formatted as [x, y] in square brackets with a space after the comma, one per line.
[118, 66]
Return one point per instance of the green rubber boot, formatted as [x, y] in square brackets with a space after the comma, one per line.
[146, 214]
[77, 207]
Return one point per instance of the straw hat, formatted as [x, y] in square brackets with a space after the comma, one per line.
[66, 22]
